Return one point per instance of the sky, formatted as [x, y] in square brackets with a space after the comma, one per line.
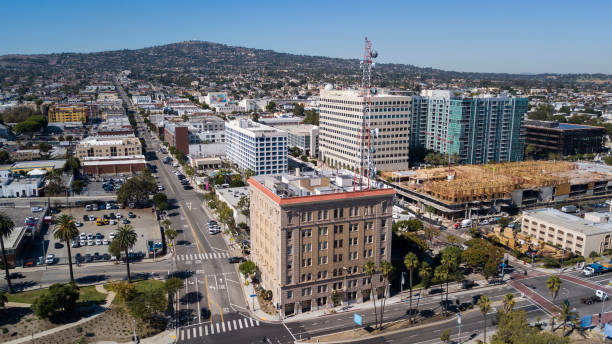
[517, 36]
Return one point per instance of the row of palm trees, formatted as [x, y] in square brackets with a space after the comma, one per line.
[65, 230]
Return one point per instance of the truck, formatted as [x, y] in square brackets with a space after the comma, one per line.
[597, 268]
[569, 209]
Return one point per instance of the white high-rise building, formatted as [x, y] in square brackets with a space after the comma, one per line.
[257, 147]
[340, 122]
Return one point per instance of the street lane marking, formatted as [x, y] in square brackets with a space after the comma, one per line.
[200, 331]
[194, 332]
[188, 334]
[217, 324]
[257, 322]
[240, 323]
[223, 326]
[206, 330]
[235, 327]
[212, 328]
[251, 319]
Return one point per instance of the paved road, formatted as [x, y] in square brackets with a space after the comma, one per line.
[211, 283]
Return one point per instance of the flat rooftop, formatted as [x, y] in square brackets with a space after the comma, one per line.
[569, 222]
[233, 195]
[314, 183]
[42, 164]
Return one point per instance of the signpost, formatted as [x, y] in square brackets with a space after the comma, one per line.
[253, 298]
[358, 319]
[459, 325]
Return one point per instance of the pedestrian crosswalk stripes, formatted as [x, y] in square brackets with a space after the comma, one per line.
[217, 328]
[201, 256]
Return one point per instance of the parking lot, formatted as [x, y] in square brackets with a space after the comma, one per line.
[95, 236]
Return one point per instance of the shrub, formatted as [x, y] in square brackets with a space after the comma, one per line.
[59, 297]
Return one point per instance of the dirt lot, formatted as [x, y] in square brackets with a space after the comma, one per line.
[144, 223]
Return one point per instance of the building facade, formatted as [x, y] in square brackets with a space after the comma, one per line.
[68, 113]
[564, 138]
[99, 146]
[312, 235]
[257, 147]
[177, 136]
[593, 233]
[473, 130]
[305, 137]
[340, 123]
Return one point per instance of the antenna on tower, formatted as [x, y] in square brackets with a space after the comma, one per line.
[366, 147]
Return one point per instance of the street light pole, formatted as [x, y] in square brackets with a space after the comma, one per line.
[402, 286]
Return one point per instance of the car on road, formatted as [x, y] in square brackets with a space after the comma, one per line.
[590, 300]
[58, 245]
[106, 256]
[50, 259]
[97, 256]
[78, 257]
[37, 209]
[160, 188]
[234, 260]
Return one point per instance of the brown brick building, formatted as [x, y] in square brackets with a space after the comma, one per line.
[178, 137]
[127, 165]
[312, 234]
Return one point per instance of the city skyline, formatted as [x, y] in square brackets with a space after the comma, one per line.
[542, 37]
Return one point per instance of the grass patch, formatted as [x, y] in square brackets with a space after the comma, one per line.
[88, 293]
[141, 286]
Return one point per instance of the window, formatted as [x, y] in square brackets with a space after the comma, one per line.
[289, 294]
[383, 223]
[322, 260]
[322, 245]
[383, 237]
[353, 227]
[289, 266]
[353, 255]
[369, 225]
[306, 248]
[322, 288]
[309, 276]
[367, 239]
[289, 249]
[306, 291]
[353, 241]
[306, 262]
[306, 233]
[338, 229]
[382, 251]
[288, 235]
[288, 279]
[354, 211]
[322, 231]
[338, 243]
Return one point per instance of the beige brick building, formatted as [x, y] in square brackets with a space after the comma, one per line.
[96, 146]
[341, 114]
[312, 234]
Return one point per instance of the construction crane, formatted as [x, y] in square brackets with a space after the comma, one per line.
[366, 166]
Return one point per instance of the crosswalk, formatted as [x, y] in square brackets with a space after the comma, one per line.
[201, 256]
[217, 328]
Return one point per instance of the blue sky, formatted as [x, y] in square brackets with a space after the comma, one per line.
[479, 36]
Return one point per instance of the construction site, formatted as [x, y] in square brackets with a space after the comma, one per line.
[473, 191]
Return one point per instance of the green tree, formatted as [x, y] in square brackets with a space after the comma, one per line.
[513, 328]
[311, 117]
[5, 158]
[244, 204]
[77, 186]
[126, 237]
[441, 275]
[148, 303]
[386, 269]
[425, 276]
[271, 107]
[65, 230]
[166, 223]
[171, 234]
[553, 284]
[504, 222]
[124, 290]
[137, 189]
[59, 297]
[508, 302]
[44, 147]
[247, 268]
[411, 261]
[161, 201]
[173, 284]
[567, 314]
[445, 336]
[114, 249]
[484, 303]
[6, 228]
[298, 110]
[370, 269]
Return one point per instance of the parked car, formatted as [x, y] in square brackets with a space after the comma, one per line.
[234, 260]
[125, 221]
[37, 209]
[58, 245]
[111, 235]
[97, 256]
[78, 224]
[85, 217]
[90, 242]
[78, 258]
[50, 259]
[113, 222]
[88, 258]
[105, 242]
[98, 241]
[92, 218]
[131, 215]
[118, 215]
[75, 243]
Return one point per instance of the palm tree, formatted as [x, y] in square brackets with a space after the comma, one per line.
[411, 262]
[567, 314]
[553, 284]
[386, 269]
[171, 234]
[126, 237]
[65, 230]
[6, 228]
[166, 223]
[441, 275]
[424, 275]
[370, 269]
[485, 306]
[450, 265]
[508, 302]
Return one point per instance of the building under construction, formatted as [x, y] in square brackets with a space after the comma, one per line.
[471, 191]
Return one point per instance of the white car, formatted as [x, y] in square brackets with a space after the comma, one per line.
[83, 236]
[111, 235]
[50, 259]
[90, 242]
[37, 209]
[78, 224]
[113, 222]
[105, 242]
[83, 243]
[90, 236]
[98, 242]
[118, 215]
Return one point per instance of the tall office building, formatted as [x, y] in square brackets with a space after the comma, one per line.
[477, 130]
[340, 122]
[311, 236]
[257, 147]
